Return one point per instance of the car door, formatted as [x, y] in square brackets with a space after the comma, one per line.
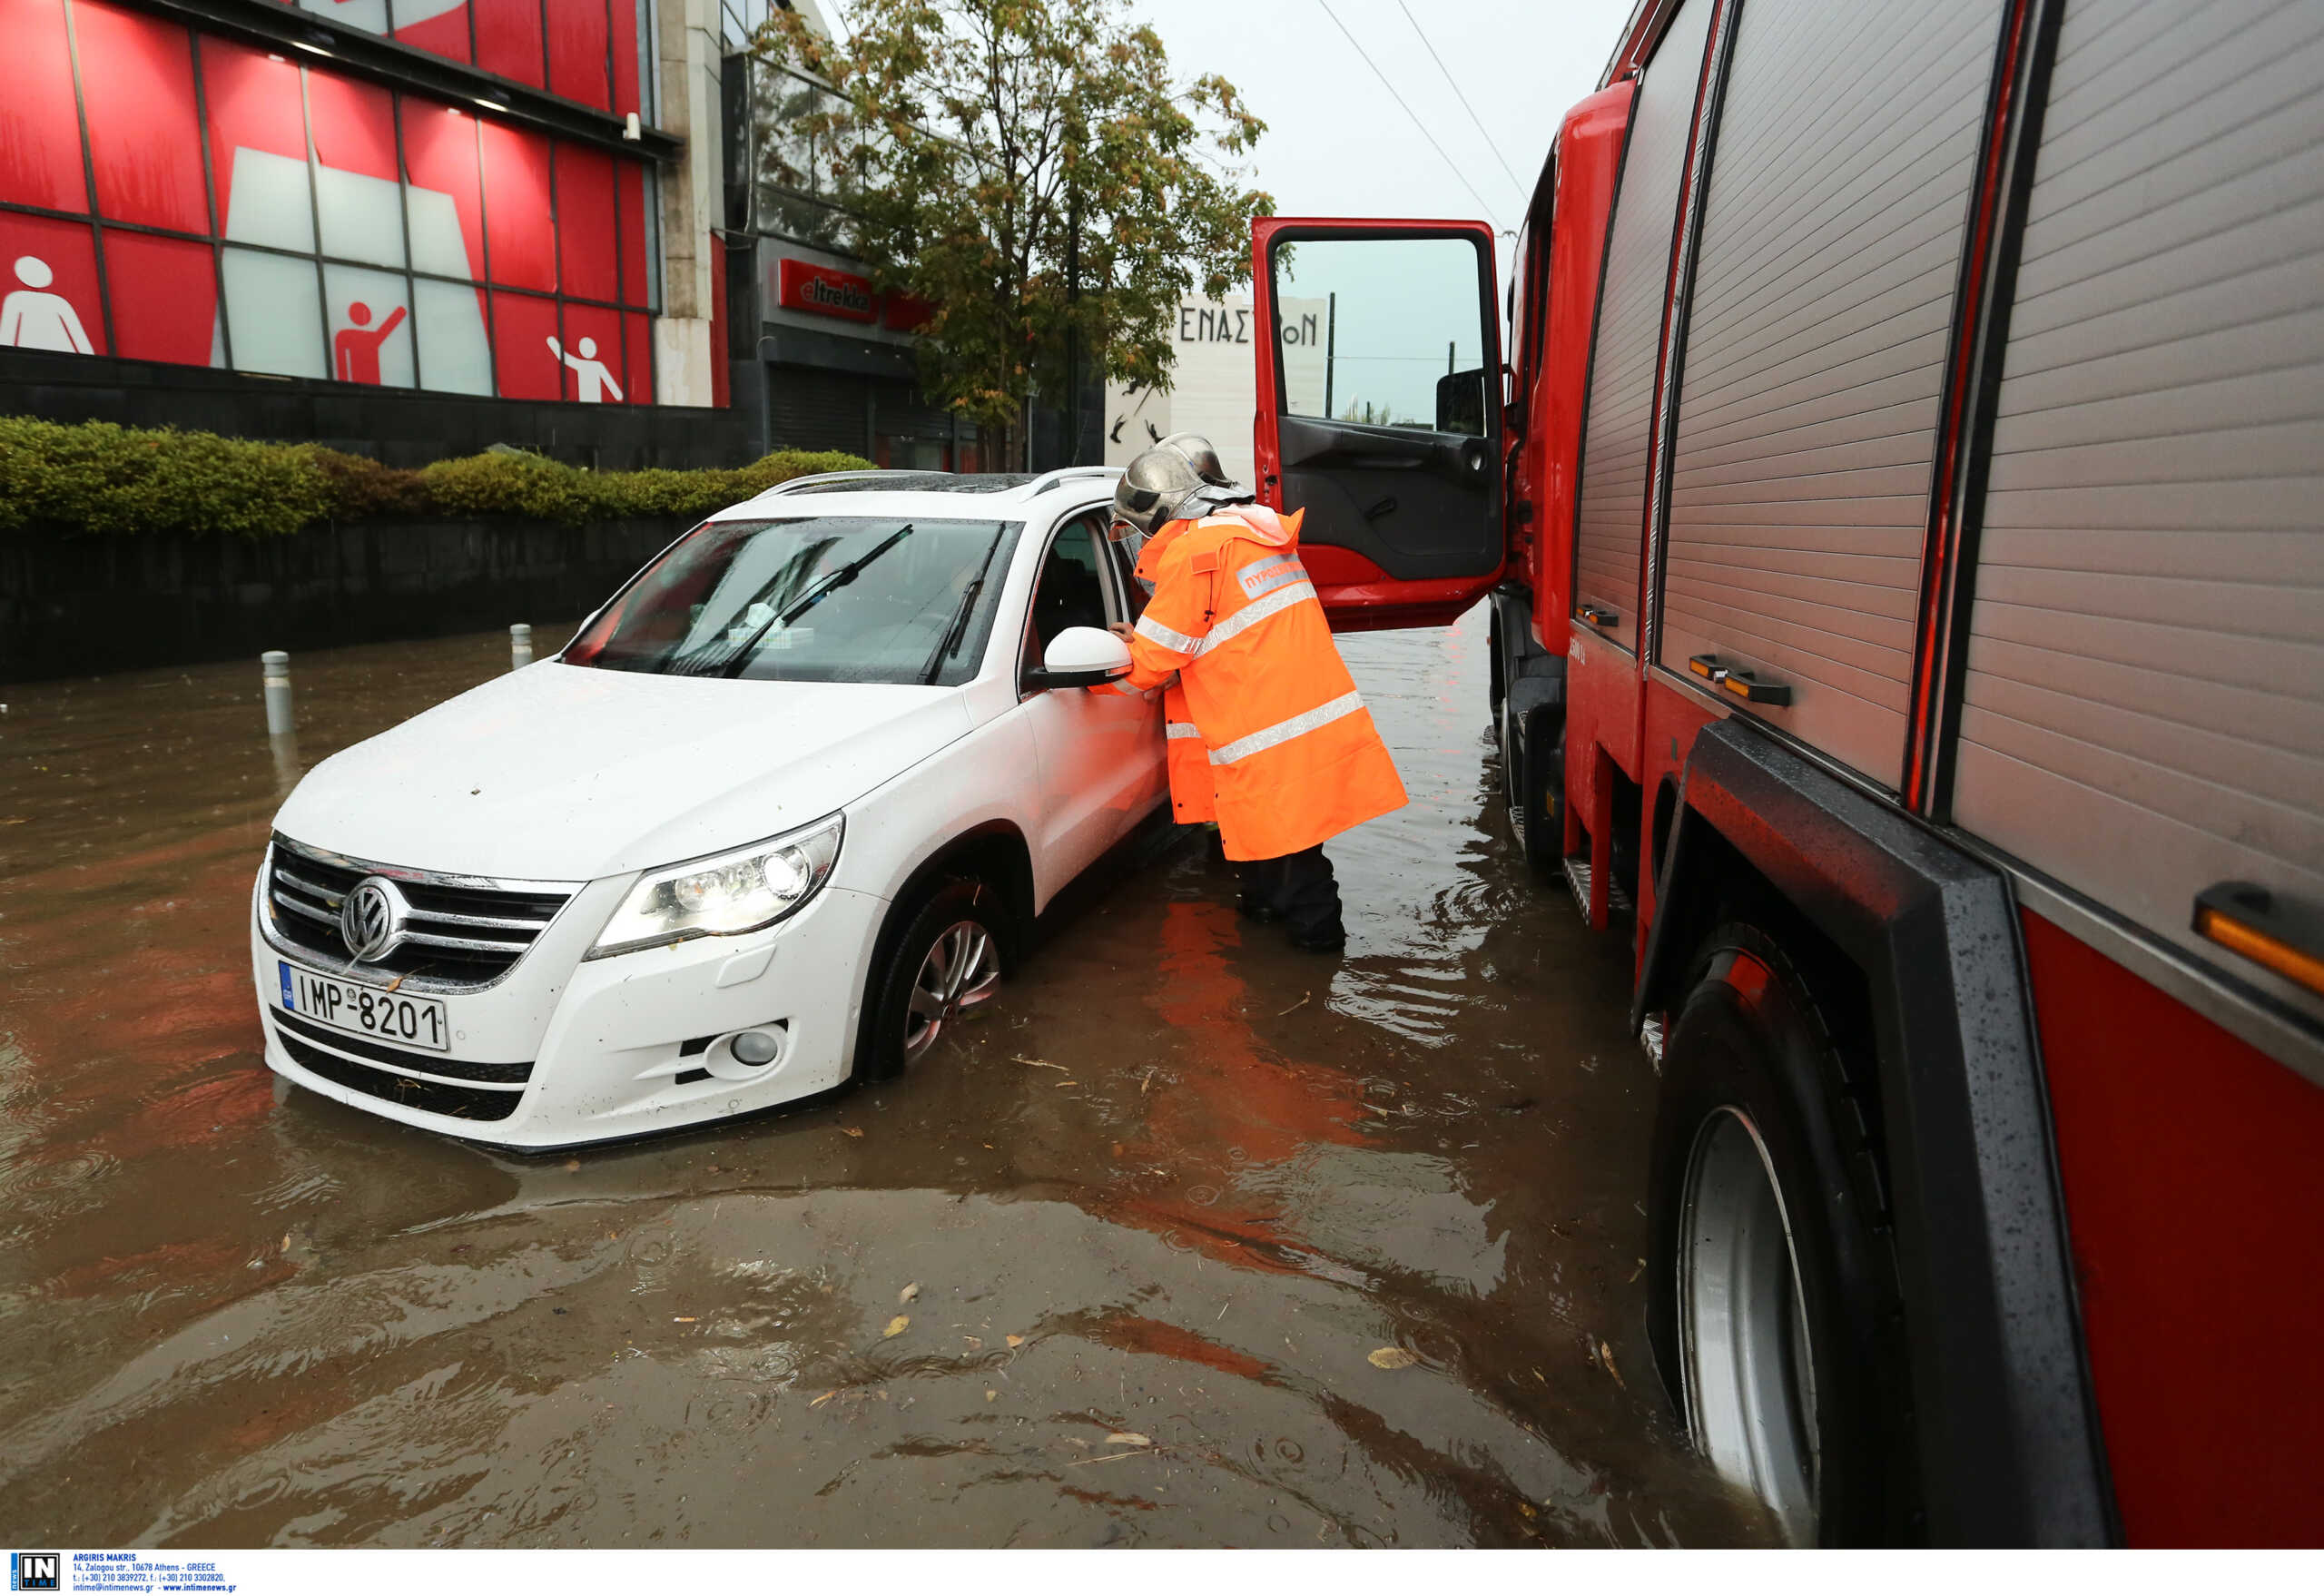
[1101, 753]
[1380, 410]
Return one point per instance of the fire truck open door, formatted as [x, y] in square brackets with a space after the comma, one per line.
[1380, 410]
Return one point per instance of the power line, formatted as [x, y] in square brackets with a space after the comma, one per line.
[1399, 98]
[1523, 194]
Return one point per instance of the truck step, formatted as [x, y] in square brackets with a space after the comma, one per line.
[1577, 876]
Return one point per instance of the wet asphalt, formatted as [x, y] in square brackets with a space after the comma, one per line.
[1189, 1240]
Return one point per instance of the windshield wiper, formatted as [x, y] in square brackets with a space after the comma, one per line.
[951, 638]
[812, 597]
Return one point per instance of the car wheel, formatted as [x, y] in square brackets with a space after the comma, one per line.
[1532, 783]
[947, 964]
[1773, 1303]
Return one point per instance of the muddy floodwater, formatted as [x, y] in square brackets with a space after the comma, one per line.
[1120, 1266]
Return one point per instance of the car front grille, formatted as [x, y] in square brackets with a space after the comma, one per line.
[462, 934]
[432, 1097]
[404, 1058]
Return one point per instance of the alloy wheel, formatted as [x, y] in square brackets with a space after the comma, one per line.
[961, 971]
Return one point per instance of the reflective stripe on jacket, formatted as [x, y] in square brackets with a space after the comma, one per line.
[1288, 755]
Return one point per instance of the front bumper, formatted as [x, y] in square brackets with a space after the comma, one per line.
[608, 1039]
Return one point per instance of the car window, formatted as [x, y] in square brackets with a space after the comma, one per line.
[1134, 596]
[1070, 590]
[820, 598]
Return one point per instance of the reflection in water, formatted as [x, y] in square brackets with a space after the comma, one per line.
[1181, 1183]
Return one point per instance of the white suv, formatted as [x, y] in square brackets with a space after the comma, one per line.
[782, 811]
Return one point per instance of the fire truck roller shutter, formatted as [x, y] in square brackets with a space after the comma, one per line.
[1832, 235]
[1610, 517]
[2142, 715]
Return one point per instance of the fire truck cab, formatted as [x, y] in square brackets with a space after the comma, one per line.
[1894, 468]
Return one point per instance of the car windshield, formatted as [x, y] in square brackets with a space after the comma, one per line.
[824, 599]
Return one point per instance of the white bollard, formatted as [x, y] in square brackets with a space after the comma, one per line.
[520, 646]
[274, 668]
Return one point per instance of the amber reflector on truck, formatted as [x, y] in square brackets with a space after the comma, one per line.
[2264, 928]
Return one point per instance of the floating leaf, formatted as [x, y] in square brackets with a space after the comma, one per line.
[1390, 1357]
[1016, 1341]
[825, 1397]
[896, 1326]
[1128, 1438]
[908, 1292]
[1606, 1356]
[851, 1130]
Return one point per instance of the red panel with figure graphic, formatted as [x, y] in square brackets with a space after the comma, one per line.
[165, 294]
[144, 142]
[525, 343]
[509, 39]
[52, 300]
[354, 124]
[519, 213]
[592, 354]
[40, 122]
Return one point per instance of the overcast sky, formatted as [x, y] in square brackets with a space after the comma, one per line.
[1337, 143]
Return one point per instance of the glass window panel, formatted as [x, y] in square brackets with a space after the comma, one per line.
[145, 139]
[441, 27]
[40, 123]
[165, 295]
[579, 52]
[638, 344]
[593, 353]
[587, 264]
[632, 192]
[628, 19]
[524, 331]
[356, 197]
[508, 38]
[521, 223]
[370, 16]
[1406, 339]
[371, 326]
[50, 300]
[258, 148]
[455, 355]
[444, 196]
[274, 313]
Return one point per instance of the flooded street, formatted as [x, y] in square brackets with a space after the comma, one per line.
[1119, 1267]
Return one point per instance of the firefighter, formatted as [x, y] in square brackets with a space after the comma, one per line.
[1267, 734]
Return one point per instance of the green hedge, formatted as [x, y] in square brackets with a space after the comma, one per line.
[94, 478]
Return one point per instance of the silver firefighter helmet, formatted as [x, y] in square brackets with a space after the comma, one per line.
[1178, 478]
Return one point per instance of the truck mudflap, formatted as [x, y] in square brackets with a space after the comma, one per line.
[2010, 1447]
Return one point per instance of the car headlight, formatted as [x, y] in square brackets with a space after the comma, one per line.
[723, 894]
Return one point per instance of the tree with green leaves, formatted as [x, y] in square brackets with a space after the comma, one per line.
[1032, 173]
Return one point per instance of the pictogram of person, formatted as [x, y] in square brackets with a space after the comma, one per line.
[33, 318]
[356, 351]
[590, 377]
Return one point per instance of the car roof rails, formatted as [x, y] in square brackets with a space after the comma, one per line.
[790, 484]
[1049, 479]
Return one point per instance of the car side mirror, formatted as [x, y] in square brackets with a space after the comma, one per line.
[1081, 657]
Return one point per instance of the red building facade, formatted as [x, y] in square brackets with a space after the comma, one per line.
[168, 194]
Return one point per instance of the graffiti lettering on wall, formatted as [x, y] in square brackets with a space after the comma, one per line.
[1212, 379]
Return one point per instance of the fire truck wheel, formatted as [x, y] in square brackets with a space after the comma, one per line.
[1773, 1303]
[1532, 783]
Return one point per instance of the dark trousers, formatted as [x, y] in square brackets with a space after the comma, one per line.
[1297, 889]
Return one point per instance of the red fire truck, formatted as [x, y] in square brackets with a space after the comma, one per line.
[1896, 471]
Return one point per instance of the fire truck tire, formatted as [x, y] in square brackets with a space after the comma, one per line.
[1772, 1298]
[1532, 781]
[1497, 669]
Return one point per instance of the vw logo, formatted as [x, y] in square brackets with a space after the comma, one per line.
[370, 918]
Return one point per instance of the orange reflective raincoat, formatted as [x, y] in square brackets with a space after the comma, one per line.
[1267, 734]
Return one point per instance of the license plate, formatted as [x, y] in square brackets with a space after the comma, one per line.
[409, 1023]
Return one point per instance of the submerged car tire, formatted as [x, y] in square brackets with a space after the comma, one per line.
[945, 965]
[1773, 1303]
